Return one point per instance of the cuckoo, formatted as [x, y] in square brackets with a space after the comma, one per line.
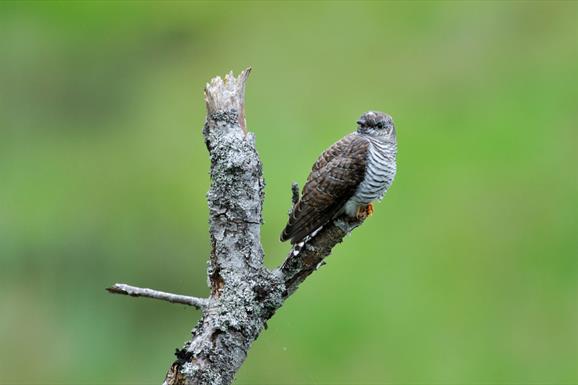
[346, 178]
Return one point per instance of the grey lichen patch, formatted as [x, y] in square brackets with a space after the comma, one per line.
[225, 118]
[237, 182]
[232, 323]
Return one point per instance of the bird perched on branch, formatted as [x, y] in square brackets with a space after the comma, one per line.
[346, 178]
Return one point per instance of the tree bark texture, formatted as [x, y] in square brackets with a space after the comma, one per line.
[244, 294]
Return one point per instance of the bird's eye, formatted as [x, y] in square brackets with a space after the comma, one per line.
[380, 125]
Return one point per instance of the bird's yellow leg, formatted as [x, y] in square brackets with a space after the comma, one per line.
[369, 209]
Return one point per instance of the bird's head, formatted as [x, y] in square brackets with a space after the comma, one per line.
[376, 124]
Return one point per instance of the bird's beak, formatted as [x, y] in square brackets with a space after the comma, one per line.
[361, 122]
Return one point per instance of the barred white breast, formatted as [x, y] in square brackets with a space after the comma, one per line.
[379, 172]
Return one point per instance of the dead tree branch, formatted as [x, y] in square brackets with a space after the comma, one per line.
[244, 293]
[133, 291]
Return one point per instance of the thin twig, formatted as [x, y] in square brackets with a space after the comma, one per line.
[133, 291]
[294, 197]
[294, 193]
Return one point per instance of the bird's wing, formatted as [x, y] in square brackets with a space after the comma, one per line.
[332, 181]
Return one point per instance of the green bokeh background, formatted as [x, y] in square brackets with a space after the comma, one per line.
[467, 272]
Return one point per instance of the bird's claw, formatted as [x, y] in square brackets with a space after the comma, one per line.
[364, 211]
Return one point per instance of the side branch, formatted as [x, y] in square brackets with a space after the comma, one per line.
[133, 291]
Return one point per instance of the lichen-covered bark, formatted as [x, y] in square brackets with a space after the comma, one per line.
[244, 294]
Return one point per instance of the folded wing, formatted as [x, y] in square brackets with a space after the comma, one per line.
[332, 181]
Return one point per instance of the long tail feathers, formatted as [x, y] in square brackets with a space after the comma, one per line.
[297, 247]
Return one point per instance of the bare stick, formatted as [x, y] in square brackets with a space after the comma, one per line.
[133, 291]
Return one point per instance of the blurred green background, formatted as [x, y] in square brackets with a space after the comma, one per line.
[467, 272]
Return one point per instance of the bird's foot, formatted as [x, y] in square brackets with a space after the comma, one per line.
[364, 211]
[369, 209]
